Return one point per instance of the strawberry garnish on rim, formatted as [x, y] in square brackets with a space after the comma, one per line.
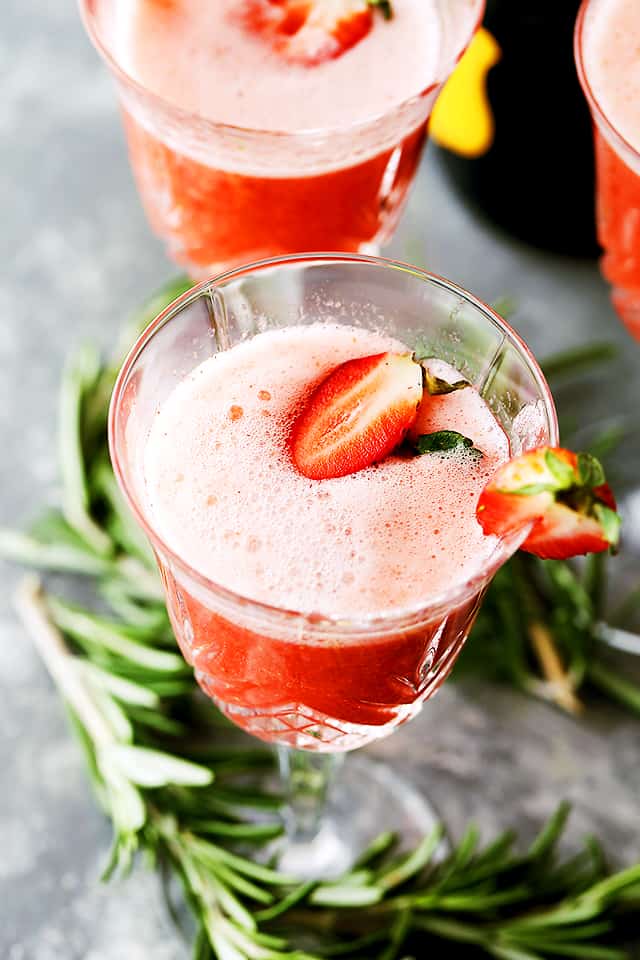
[356, 416]
[562, 494]
[308, 32]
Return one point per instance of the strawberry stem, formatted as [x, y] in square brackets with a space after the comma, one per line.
[384, 6]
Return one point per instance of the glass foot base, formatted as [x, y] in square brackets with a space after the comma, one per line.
[366, 799]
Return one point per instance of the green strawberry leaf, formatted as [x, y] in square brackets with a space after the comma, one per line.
[590, 471]
[437, 387]
[532, 489]
[384, 7]
[562, 471]
[610, 522]
[445, 441]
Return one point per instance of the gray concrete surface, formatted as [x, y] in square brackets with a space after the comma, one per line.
[77, 256]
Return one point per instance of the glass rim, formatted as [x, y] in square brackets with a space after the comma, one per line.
[315, 622]
[88, 19]
[598, 111]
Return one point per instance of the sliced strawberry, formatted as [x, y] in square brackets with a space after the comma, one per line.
[562, 495]
[357, 415]
[308, 32]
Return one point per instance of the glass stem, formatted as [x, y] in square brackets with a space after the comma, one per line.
[307, 777]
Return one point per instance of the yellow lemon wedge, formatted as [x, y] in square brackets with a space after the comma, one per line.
[462, 119]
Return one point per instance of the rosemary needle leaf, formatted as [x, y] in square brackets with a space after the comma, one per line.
[164, 688]
[153, 768]
[616, 686]
[378, 847]
[230, 903]
[505, 305]
[143, 316]
[114, 716]
[512, 953]
[201, 945]
[126, 805]
[237, 882]
[358, 947]
[150, 619]
[355, 878]
[461, 856]
[247, 867]
[297, 895]
[121, 524]
[156, 721]
[246, 797]
[89, 629]
[80, 376]
[413, 863]
[58, 557]
[452, 931]
[124, 690]
[399, 932]
[578, 360]
[496, 853]
[237, 831]
[334, 895]
[544, 844]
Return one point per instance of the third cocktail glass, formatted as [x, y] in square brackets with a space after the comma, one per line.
[322, 658]
[253, 131]
[606, 45]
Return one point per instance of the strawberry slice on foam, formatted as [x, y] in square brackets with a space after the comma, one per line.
[562, 494]
[308, 32]
[356, 416]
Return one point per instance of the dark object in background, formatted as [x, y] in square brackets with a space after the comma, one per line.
[537, 180]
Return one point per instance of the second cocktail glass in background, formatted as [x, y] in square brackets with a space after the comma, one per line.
[617, 165]
[221, 194]
[318, 685]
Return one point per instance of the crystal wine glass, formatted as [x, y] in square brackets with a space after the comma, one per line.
[315, 684]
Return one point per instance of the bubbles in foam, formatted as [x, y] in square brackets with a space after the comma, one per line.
[390, 536]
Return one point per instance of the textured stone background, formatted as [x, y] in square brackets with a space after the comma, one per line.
[77, 256]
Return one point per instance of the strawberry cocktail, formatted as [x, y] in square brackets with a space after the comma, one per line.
[321, 450]
[264, 127]
[222, 490]
[607, 45]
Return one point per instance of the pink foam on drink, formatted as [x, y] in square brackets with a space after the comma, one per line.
[195, 54]
[611, 49]
[223, 494]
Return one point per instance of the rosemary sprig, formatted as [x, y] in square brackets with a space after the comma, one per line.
[137, 712]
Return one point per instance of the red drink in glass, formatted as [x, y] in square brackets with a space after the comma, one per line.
[318, 693]
[226, 217]
[232, 169]
[607, 42]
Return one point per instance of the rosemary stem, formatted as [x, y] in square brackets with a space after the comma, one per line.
[553, 668]
[60, 663]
